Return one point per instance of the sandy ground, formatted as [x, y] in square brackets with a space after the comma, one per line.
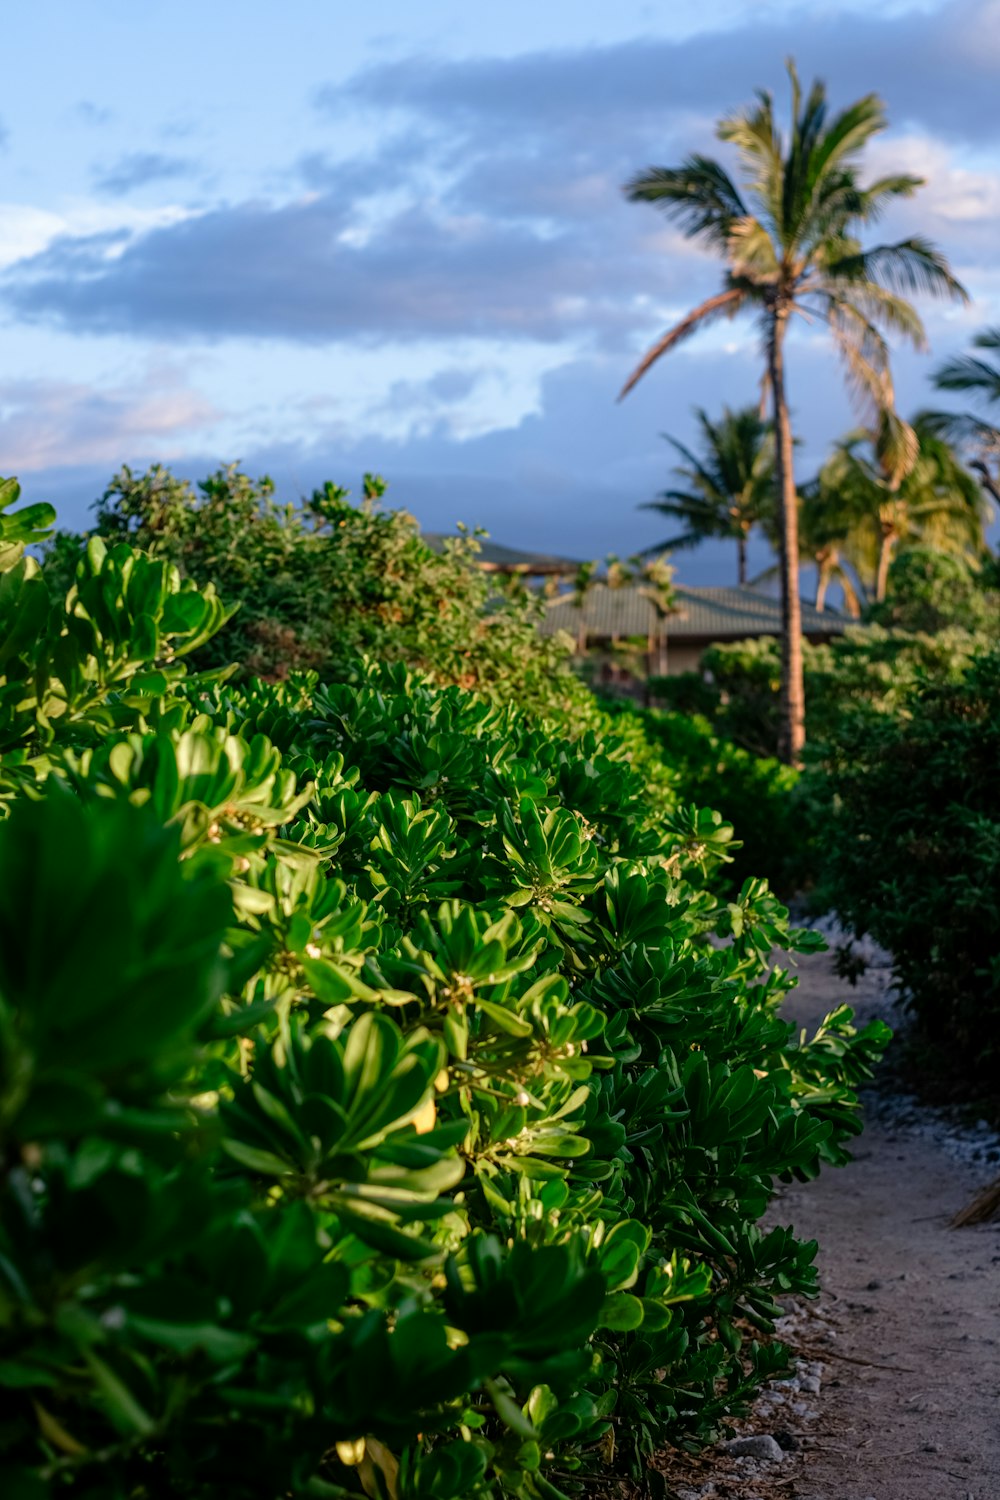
[902, 1290]
[906, 1336]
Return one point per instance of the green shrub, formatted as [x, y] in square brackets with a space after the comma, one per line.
[320, 583]
[387, 1105]
[870, 667]
[913, 854]
[759, 796]
[930, 591]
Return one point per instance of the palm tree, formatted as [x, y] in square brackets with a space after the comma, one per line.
[730, 488]
[826, 539]
[970, 373]
[933, 502]
[788, 240]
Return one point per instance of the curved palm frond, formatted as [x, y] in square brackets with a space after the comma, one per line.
[912, 265]
[754, 134]
[699, 194]
[723, 305]
[961, 427]
[967, 373]
[877, 306]
[864, 354]
[881, 194]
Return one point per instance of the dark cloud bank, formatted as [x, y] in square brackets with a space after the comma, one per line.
[511, 223]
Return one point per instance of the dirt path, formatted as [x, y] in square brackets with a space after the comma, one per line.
[897, 1387]
[904, 1291]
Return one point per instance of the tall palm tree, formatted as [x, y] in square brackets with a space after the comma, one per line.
[789, 243]
[935, 502]
[979, 377]
[730, 487]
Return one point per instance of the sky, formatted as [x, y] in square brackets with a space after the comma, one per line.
[325, 238]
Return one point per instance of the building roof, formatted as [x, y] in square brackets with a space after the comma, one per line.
[493, 558]
[709, 614]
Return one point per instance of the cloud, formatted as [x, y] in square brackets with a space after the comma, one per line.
[302, 271]
[488, 206]
[47, 423]
[137, 169]
[938, 67]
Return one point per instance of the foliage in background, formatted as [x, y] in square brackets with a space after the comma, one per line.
[319, 583]
[913, 854]
[377, 1116]
[931, 591]
[758, 795]
[865, 668]
[894, 493]
[976, 375]
[729, 484]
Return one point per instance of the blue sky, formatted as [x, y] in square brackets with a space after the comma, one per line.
[326, 237]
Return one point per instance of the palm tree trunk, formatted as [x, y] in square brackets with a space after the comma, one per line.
[884, 559]
[822, 584]
[741, 543]
[792, 734]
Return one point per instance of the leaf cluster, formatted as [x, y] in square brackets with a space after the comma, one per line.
[388, 1102]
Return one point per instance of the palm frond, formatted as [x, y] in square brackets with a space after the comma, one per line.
[848, 134]
[723, 305]
[754, 134]
[684, 542]
[961, 428]
[864, 352]
[896, 447]
[967, 373]
[911, 265]
[751, 251]
[797, 179]
[878, 195]
[699, 194]
[893, 312]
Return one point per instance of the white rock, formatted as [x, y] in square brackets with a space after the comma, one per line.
[763, 1446]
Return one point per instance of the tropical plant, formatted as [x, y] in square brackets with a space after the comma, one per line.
[826, 542]
[873, 668]
[729, 483]
[914, 857]
[929, 500]
[756, 794]
[388, 1103]
[789, 240]
[975, 375]
[930, 592]
[319, 582]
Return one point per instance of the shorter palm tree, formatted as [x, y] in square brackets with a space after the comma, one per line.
[729, 487]
[901, 486]
[825, 539]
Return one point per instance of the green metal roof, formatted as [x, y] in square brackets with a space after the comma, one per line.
[711, 614]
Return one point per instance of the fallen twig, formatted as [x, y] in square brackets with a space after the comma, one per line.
[853, 1359]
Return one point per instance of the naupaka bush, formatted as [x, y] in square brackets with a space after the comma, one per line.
[387, 1103]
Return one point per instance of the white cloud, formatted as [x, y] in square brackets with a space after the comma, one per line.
[26, 231]
[954, 193]
[50, 423]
